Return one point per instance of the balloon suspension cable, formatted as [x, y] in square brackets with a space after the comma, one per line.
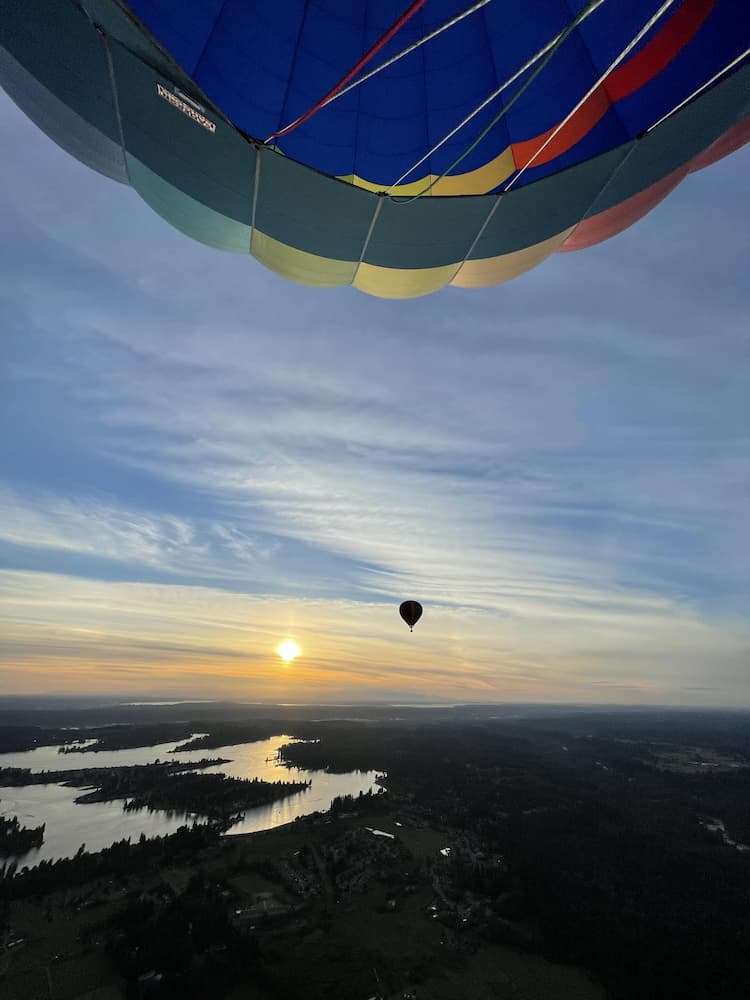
[545, 55]
[704, 86]
[397, 25]
[612, 66]
[408, 50]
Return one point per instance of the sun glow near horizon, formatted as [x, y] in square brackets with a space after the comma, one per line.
[65, 634]
[288, 650]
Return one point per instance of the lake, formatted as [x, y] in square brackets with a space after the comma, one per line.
[99, 824]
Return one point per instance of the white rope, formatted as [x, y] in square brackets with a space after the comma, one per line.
[488, 100]
[628, 48]
[700, 90]
[399, 55]
[411, 48]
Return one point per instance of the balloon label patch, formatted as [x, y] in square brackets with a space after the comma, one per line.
[185, 108]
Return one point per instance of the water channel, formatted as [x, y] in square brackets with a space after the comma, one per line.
[99, 824]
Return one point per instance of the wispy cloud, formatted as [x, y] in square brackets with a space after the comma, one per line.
[203, 640]
[85, 526]
[558, 468]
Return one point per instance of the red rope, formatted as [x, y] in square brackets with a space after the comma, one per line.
[394, 28]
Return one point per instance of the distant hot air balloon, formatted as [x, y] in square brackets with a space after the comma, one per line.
[411, 612]
[397, 147]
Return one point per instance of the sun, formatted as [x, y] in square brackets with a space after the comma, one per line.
[288, 650]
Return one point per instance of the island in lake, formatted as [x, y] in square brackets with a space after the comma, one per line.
[17, 839]
[170, 786]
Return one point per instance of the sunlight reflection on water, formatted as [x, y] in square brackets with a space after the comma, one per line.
[99, 824]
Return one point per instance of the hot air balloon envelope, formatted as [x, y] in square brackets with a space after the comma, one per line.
[487, 137]
[411, 612]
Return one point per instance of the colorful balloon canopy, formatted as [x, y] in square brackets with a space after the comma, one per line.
[411, 612]
[394, 146]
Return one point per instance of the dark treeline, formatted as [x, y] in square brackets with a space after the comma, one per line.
[17, 839]
[188, 937]
[721, 729]
[635, 897]
[212, 795]
[224, 734]
[16, 739]
[126, 736]
[724, 794]
[123, 737]
[122, 858]
[19, 777]
[364, 802]
[78, 712]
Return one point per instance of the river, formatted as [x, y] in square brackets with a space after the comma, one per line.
[99, 824]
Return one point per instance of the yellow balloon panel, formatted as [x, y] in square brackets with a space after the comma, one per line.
[496, 270]
[404, 283]
[301, 266]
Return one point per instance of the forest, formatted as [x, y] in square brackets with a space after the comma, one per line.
[589, 838]
[607, 856]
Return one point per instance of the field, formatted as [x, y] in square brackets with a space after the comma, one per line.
[695, 760]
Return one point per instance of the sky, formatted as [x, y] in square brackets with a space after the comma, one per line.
[199, 459]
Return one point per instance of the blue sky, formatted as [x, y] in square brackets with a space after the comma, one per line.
[200, 459]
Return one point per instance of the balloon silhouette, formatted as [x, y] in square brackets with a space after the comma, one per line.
[411, 612]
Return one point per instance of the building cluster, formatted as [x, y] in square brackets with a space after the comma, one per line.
[358, 858]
